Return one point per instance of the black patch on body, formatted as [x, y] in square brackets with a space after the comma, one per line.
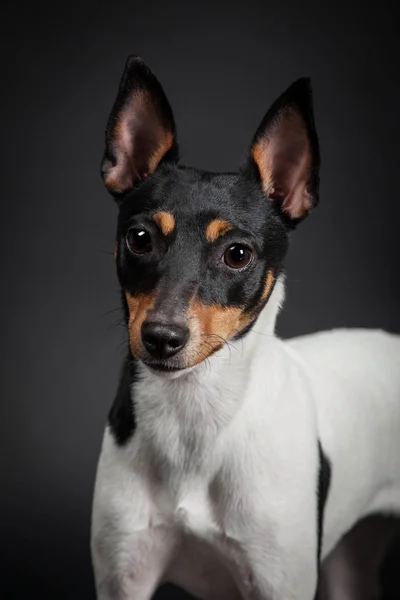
[324, 480]
[121, 417]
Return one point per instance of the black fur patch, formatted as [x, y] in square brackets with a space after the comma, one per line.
[121, 418]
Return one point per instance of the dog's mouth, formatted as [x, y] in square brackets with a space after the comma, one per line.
[162, 367]
[179, 363]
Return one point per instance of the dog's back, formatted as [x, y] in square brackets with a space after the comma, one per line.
[355, 378]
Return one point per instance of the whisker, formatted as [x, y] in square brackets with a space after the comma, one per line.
[118, 323]
[229, 344]
[270, 335]
[110, 311]
[219, 337]
[205, 359]
[122, 346]
[210, 356]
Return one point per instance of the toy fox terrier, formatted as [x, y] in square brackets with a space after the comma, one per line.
[232, 462]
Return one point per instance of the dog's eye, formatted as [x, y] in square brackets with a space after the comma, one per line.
[139, 241]
[238, 256]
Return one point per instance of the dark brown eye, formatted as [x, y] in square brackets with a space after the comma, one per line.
[238, 256]
[139, 241]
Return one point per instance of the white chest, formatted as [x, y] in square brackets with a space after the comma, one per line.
[188, 511]
[200, 560]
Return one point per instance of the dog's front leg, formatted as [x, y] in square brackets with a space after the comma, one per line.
[270, 533]
[131, 569]
[275, 563]
[131, 546]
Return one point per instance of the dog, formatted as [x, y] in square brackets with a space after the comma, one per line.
[233, 462]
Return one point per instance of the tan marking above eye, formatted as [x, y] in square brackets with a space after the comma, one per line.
[269, 280]
[165, 221]
[217, 228]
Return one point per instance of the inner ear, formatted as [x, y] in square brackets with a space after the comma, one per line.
[141, 129]
[286, 153]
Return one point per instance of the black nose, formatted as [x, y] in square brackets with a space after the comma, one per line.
[163, 341]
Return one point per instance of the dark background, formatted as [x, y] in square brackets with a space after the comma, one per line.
[221, 66]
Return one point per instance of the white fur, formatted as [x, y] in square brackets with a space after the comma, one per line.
[217, 489]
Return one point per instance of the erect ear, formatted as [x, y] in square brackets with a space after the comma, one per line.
[284, 153]
[140, 132]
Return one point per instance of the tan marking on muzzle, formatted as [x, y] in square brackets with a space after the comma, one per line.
[165, 221]
[211, 326]
[138, 307]
[217, 228]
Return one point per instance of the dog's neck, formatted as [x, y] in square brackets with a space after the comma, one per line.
[266, 322]
[182, 417]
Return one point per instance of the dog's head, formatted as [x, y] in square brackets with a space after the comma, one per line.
[198, 253]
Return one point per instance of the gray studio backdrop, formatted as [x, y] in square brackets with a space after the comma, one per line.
[221, 66]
